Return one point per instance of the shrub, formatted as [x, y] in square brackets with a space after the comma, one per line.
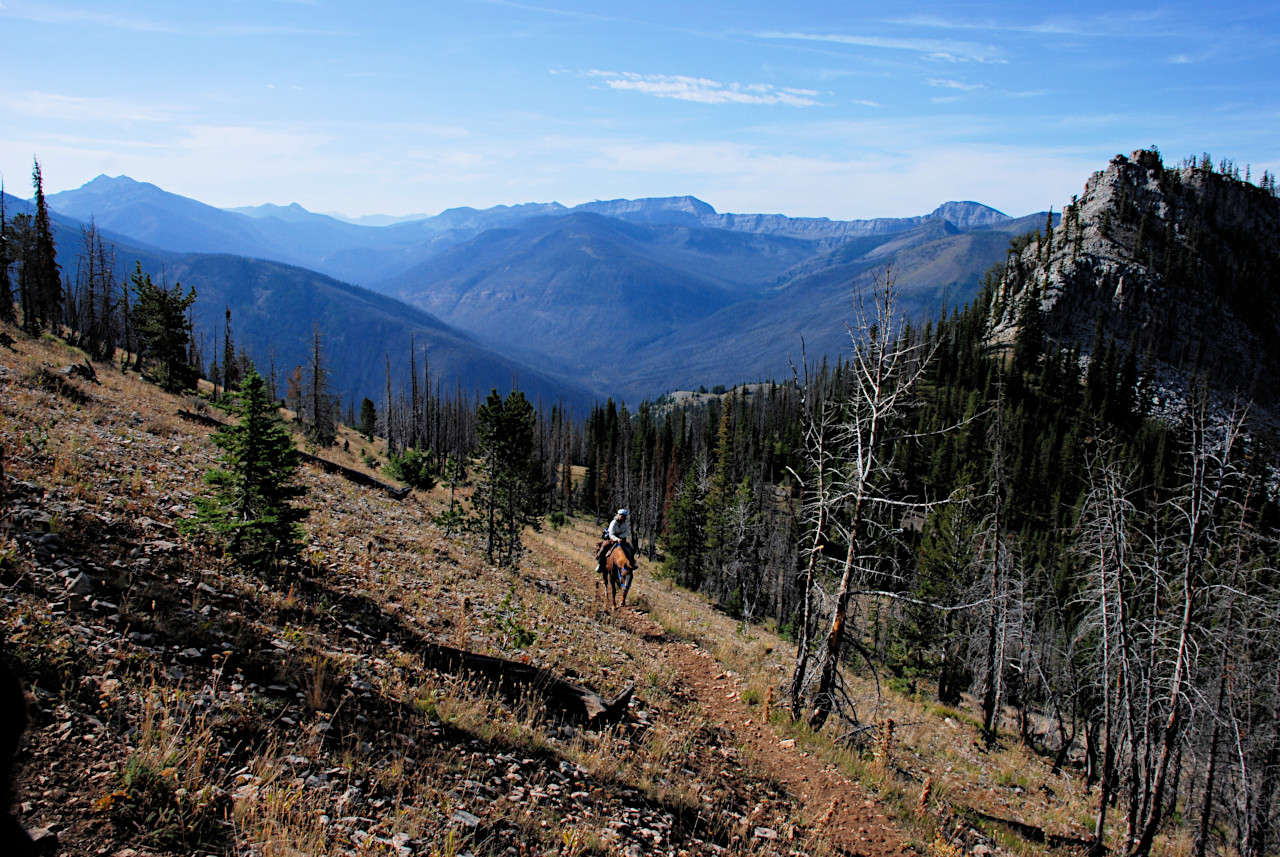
[413, 467]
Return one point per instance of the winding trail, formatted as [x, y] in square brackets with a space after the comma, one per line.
[830, 806]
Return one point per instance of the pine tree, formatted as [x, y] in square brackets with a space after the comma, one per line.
[163, 329]
[253, 503]
[510, 480]
[368, 418]
[685, 536]
[6, 259]
[43, 307]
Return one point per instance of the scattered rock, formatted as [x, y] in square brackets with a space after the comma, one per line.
[80, 585]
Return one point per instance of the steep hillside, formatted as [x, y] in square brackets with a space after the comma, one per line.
[275, 309]
[182, 706]
[1180, 265]
[935, 266]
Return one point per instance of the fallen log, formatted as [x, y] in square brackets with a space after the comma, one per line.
[355, 476]
[573, 701]
[1031, 833]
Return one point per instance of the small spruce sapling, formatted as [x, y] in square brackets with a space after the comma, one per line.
[253, 499]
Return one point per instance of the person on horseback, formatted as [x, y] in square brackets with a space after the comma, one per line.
[618, 533]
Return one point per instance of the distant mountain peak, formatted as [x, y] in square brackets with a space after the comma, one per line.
[103, 184]
[667, 209]
[968, 214]
[291, 213]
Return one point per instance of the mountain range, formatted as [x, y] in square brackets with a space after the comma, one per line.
[622, 298]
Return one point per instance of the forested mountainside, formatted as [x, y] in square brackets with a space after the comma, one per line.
[984, 505]
[269, 313]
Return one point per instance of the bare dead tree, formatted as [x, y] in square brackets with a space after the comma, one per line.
[860, 513]
[818, 419]
[1212, 474]
[1103, 546]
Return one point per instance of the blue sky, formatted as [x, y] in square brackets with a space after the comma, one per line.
[826, 109]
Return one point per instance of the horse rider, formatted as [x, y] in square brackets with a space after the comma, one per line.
[618, 533]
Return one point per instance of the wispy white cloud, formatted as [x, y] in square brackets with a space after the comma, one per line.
[946, 49]
[74, 108]
[704, 90]
[1127, 25]
[955, 84]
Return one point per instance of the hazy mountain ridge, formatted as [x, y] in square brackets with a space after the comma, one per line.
[1180, 264]
[760, 338]
[364, 334]
[635, 310]
[274, 305]
[624, 297]
[367, 255]
[570, 290]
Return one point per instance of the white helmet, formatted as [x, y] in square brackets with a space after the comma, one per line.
[622, 511]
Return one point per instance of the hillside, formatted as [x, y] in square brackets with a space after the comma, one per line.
[936, 266]
[276, 308]
[583, 288]
[183, 707]
[364, 334]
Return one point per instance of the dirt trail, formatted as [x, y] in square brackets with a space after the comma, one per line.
[837, 809]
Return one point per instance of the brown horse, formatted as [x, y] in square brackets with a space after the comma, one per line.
[619, 571]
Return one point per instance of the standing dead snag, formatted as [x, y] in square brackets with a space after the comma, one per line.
[852, 461]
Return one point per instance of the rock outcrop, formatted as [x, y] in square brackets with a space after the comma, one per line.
[1180, 265]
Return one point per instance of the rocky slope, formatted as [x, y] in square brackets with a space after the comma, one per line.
[1180, 264]
[182, 706]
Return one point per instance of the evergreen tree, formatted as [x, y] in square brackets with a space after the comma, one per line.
[368, 418]
[685, 536]
[6, 259]
[42, 298]
[508, 491]
[163, 329]
[253, 503]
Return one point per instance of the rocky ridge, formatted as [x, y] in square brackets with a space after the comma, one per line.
[1180, 265]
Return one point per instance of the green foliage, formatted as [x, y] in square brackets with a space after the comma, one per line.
[685, 537]
[368, 418]
[164, 330]
[39, 278]
[413, 467]
[510, 490]
[253, 503]
[510, 616]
